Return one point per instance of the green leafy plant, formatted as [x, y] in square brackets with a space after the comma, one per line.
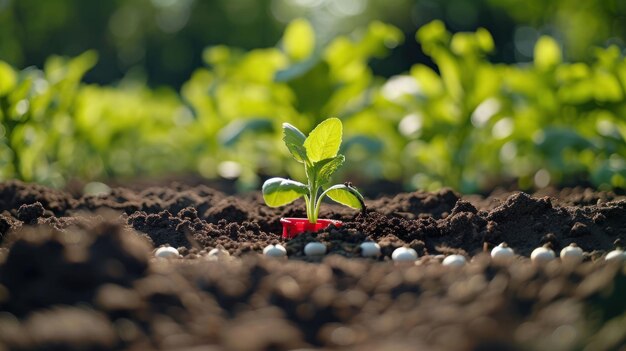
[319, 152]
[469, 124]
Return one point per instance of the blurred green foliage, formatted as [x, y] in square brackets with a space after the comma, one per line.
[161, 40]
[157, 40]
[468, 123]
[477, 123]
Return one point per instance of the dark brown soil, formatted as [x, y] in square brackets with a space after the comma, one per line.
[77, 273]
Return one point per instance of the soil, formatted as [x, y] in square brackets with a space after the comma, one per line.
[78, 272]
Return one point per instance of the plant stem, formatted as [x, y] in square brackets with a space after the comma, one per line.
[314, 202]
[308, 206]
[312, 208]
[319, 202]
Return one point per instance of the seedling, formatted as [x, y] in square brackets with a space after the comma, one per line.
[319, 153]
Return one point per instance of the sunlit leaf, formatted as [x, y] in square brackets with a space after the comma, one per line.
[58, 68]
[8, 78]
[216, 55]
[428, 80]
[259, 66]
[547, 53]
[324, 141]
[431, 35]
[607, 87]
[279, 191]
[346, 195]
[299, 39]
[294, 139]
[325, 168]
[485, 40]
[381, 37]
[463, 44]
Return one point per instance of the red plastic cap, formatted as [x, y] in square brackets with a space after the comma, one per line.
[294, 226]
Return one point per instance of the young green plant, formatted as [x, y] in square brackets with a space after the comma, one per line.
[319, 153]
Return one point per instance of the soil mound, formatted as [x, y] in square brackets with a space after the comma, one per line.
[78, 273]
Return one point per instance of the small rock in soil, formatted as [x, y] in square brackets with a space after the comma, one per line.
[166, 252]
[315, 249]
[572, 254]
[542, 255]
[404, 254]
[370, 249]
[275, 251]
[502, 253]
[616, 256]
[454, 261]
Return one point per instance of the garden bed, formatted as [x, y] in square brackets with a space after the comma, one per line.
[79, 273]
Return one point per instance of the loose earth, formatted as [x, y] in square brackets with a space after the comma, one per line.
[79, 272]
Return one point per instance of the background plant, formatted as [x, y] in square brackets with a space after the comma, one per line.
[161, 40]
[476, 123]
[461, 121]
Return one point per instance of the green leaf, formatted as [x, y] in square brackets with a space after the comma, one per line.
[346, 195]
[217, 55]
[297, 69]
[8, 78]
[428, 80]
[432, 35]
[547, 53]
[325, 168]
[485, 40]
[299, 39]
[324, 141]
[280, 191]
[611, 89]
[237, 129]
[294, 139]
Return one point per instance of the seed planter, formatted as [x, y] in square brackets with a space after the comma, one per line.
[319, 154]
[294, 226]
